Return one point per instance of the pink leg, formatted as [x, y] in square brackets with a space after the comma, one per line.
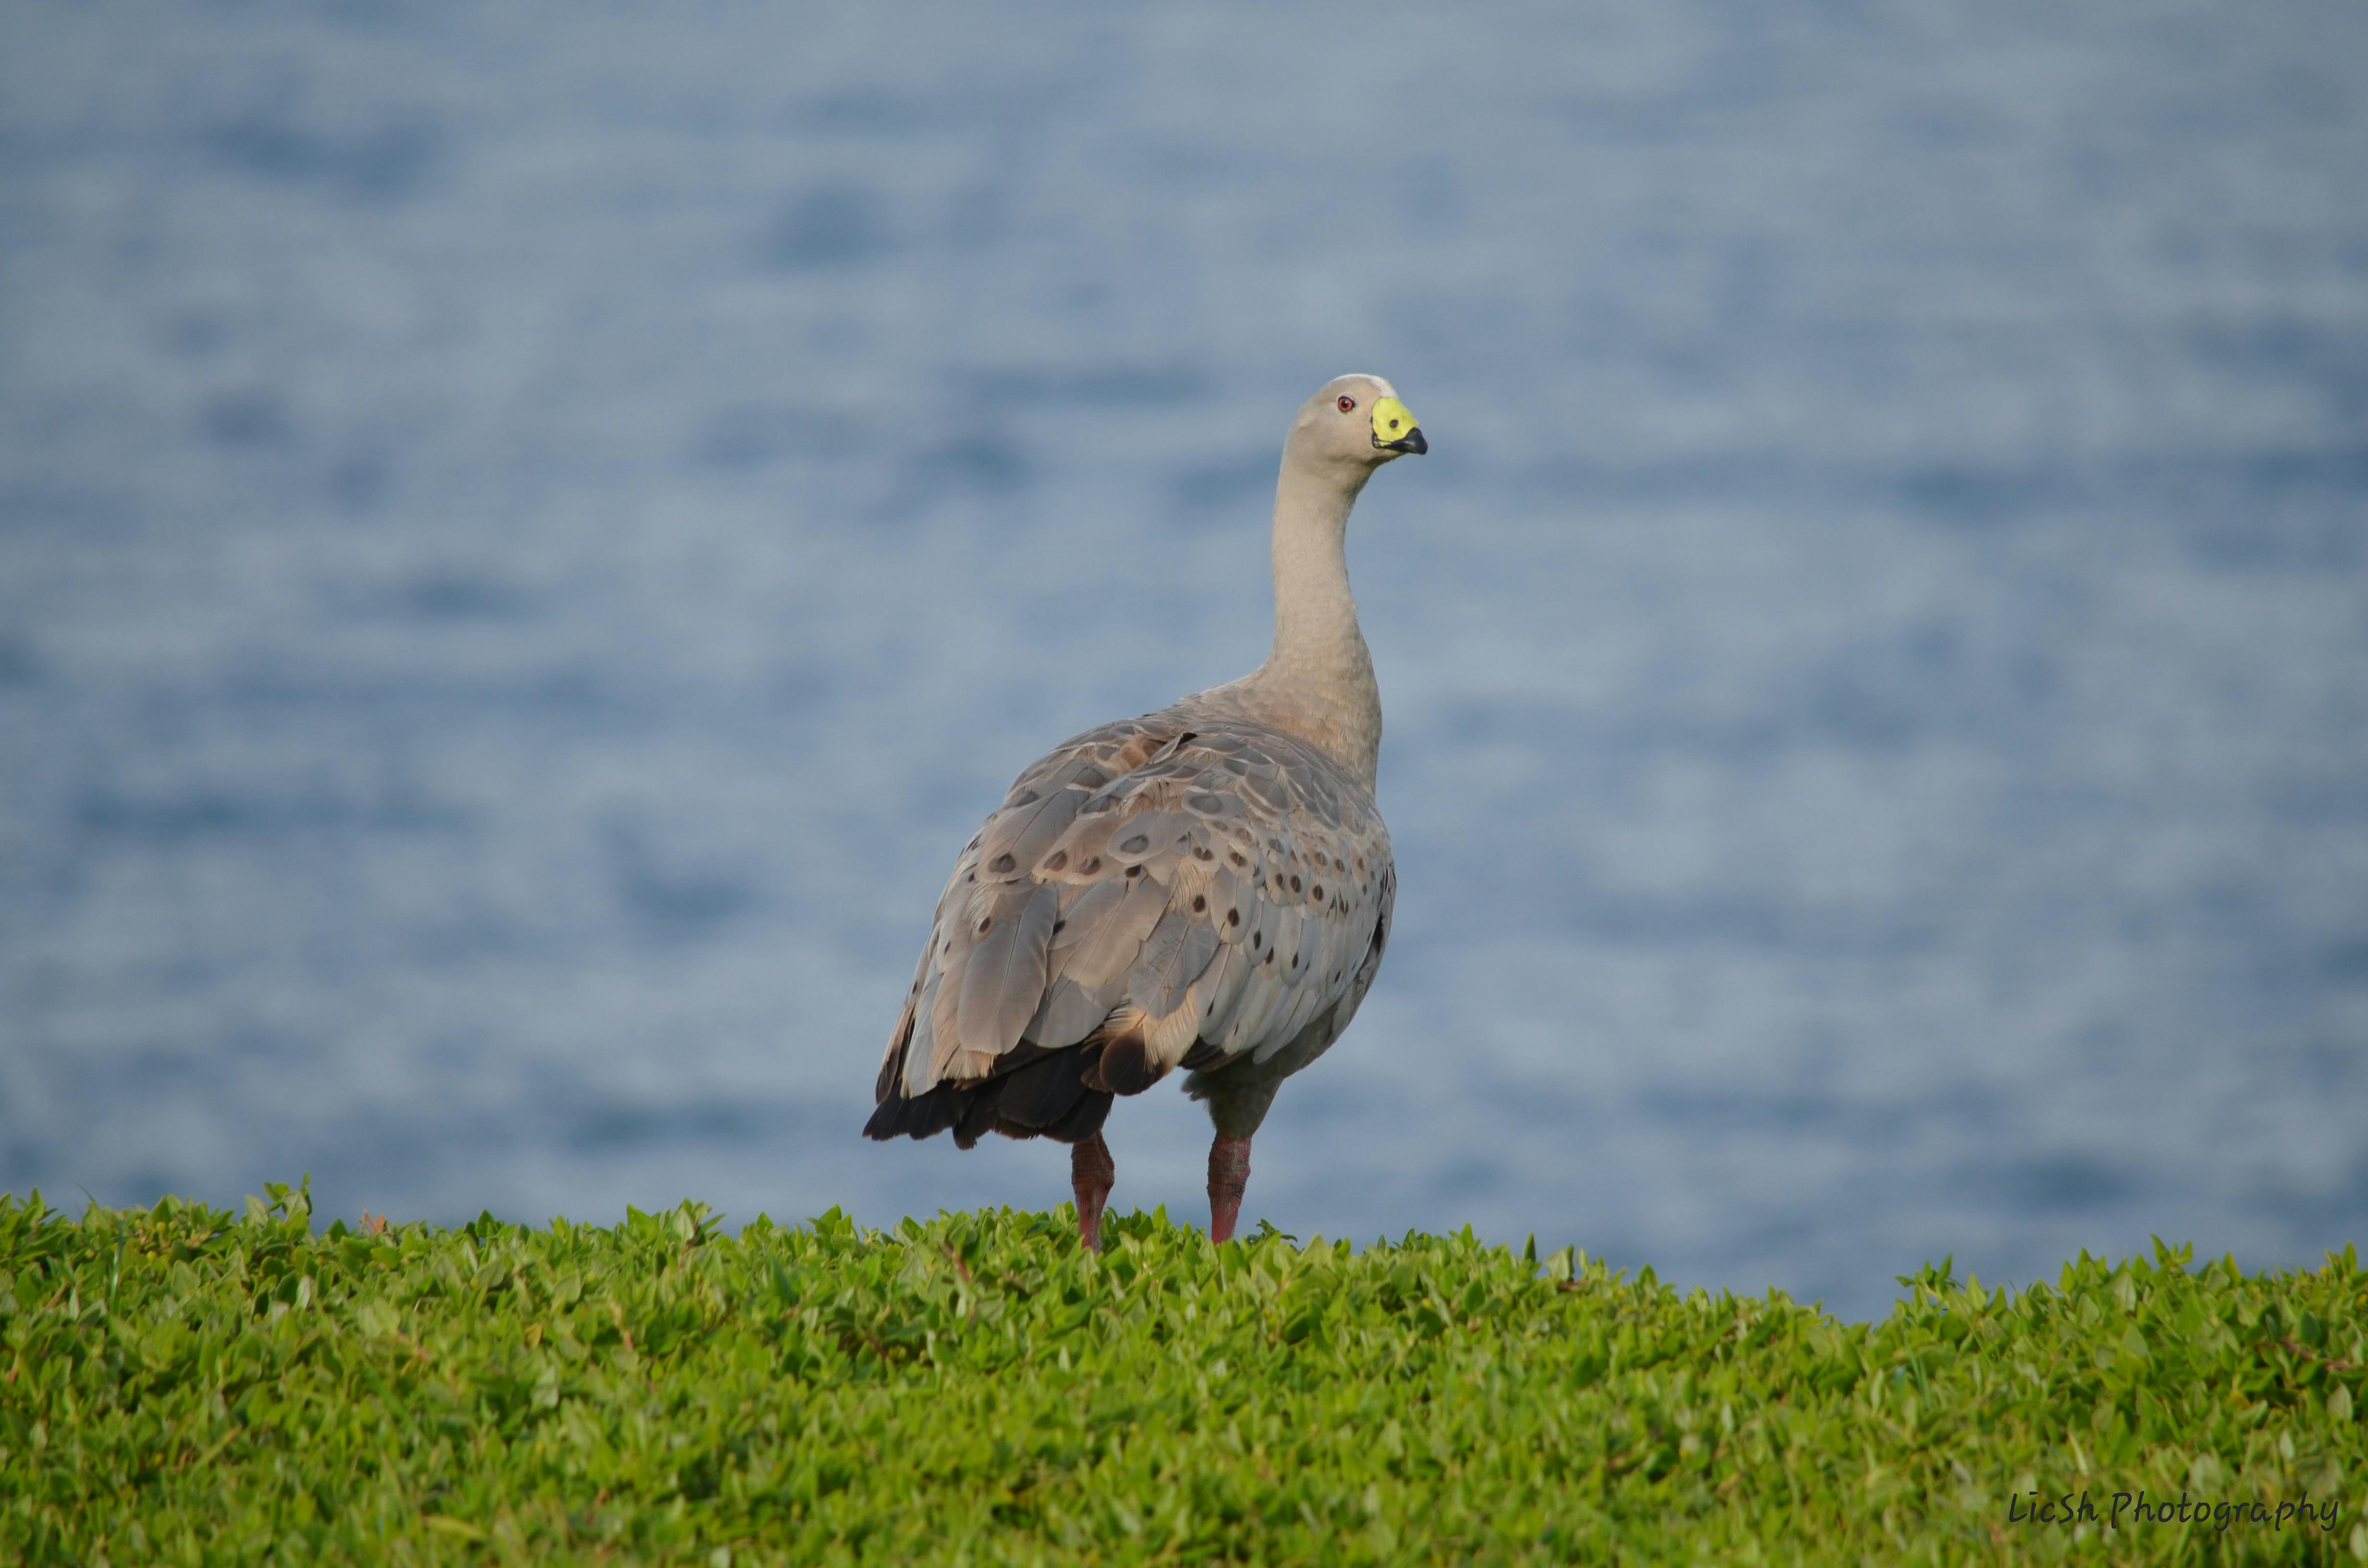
[1091, 1172]
[1229, 1172]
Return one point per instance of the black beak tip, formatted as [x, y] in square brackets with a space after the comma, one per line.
[1412, 443]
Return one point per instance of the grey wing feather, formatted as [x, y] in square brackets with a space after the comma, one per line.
[1205, 878]
[1152, 980]
[1109, 950]
[945, 1033]
[1218, 990]
[1083, 908]
[1171, 958]
[1145, 835]
[1070, 1013]
[1005, 980]
[1200, 949]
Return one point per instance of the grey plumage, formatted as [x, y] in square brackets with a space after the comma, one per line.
[1070, 1013]
[1005, 982]
[1108, 948]
[1207, 886]
[1194, 832]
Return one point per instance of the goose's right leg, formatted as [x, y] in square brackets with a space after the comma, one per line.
[1091, 1173]
[1229, 1172]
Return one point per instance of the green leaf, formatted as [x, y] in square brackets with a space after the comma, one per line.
[976, 1388]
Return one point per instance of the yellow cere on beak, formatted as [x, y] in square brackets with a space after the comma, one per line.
[1393, 422]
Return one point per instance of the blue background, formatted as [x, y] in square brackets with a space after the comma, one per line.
[529, 535]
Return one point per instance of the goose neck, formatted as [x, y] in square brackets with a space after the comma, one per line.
[1320, 674]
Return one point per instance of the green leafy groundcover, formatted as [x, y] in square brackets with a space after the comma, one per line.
[179, 1384]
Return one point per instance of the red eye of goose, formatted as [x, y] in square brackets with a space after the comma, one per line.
[1347, 405]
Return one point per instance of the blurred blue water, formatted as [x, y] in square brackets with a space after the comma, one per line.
[529, 535]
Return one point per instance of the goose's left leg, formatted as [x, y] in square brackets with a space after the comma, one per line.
[1229, 1172]
[1091, 1173]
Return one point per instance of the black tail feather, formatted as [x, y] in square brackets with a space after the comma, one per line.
[925, 1116]
[887, 1121]
[1044, 1091]
[892, 1069]
[978, 1116]
[1125, 1067]
[1202, 1056]
[1083, 1121]
[1035, 1093]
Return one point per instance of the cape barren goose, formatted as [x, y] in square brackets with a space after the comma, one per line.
[1206, 887]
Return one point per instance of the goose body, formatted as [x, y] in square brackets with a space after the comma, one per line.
[1206, 887]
